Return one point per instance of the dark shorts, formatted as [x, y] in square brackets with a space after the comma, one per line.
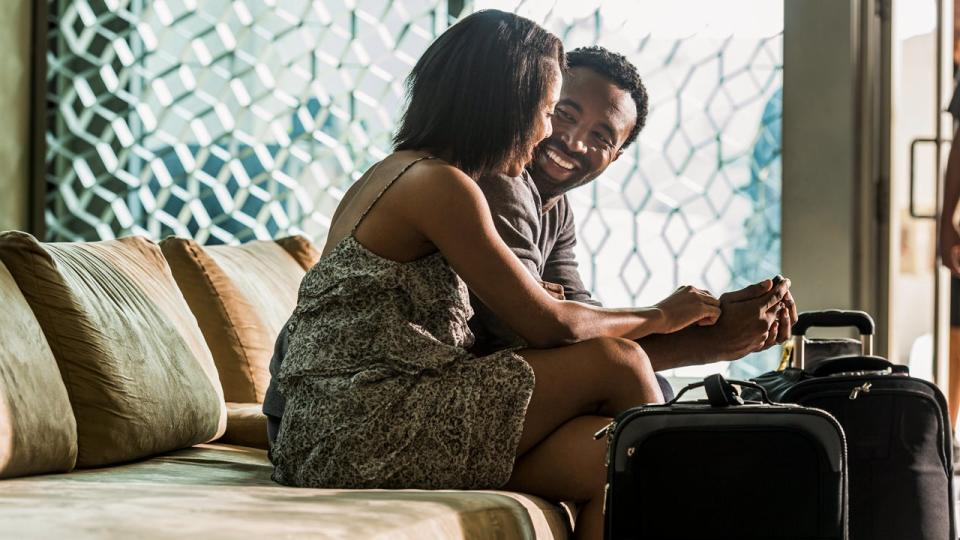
[665, 388]
[954, 301]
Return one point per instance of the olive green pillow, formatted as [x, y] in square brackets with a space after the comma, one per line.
[140, 377]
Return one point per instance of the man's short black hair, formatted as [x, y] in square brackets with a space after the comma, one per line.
[477, 90]
[621, 72]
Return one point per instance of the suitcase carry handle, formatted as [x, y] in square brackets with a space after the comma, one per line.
[834, 318]
[855, 364]
[831, 318]
[721, 392]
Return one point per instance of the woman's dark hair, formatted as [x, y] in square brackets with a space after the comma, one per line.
[475, 92]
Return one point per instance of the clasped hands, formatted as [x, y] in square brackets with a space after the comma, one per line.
[740, 322]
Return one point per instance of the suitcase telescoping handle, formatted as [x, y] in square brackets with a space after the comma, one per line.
[832, 318]
[721, 392]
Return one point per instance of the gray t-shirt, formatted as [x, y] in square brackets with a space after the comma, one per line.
[543, 241]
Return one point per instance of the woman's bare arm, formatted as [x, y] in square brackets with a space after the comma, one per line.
[451, 212]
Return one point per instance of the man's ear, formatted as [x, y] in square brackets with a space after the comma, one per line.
[617, 155]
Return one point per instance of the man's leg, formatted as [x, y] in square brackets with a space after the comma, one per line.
[273, 426]
[273, 403]
[953, 384]
[665, 387]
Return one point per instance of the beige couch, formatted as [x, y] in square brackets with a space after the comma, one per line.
[130, 382]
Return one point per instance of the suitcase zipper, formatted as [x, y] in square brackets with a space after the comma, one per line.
[608, 431]
[605, 430]
[865, 388]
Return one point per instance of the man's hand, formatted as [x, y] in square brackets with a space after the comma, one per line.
[753, 319]
[949, 246]
[554, 289]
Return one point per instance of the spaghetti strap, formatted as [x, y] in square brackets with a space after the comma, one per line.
[385, 188]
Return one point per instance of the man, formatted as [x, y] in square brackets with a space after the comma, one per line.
[602, 108]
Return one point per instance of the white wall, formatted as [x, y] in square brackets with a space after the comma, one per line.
[819, 152]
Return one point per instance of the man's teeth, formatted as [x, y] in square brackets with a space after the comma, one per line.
[559, 160]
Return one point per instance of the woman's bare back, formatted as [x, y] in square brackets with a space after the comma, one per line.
[373, 211]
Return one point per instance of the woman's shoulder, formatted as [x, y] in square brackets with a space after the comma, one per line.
[435, 175]
[431, 167]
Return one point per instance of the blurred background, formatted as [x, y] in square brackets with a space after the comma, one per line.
[783, 136]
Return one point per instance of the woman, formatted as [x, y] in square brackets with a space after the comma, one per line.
[381, 391]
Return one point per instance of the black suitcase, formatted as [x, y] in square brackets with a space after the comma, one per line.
[725, 469]
[803, 355]
[898, 437]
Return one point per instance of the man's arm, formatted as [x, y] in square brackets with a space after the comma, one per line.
[949, 236]
[949, 240]
[744, 325]
[516, 216]
[561, 264]
[689, 347]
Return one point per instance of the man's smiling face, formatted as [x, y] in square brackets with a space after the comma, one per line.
[592, 120]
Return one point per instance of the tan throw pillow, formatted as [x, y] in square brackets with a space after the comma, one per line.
[139, 375]
[241, 296]
[301, 249]
[38, 433]
[246, 426]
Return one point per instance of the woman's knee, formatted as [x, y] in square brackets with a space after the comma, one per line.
[622, 352]
[628, 368]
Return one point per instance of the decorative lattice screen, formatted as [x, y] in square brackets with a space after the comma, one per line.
[221, 120]
[231, 120]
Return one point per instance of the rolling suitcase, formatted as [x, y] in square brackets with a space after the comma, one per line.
[898, 436]
[725, 469]
[803, 354]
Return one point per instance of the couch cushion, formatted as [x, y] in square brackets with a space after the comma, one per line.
[246, 426]
[301, 249]
[216, 491]
[139, 375]
[38, 433]
[241, 296]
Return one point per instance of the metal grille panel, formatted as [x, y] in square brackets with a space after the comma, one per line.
[227, 120]
[696, 200]
[221, 120]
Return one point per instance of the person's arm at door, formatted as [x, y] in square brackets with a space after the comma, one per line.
[949, 236]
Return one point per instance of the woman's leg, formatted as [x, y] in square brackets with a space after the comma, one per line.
[568, 466]
[602, 376]
[578, 388]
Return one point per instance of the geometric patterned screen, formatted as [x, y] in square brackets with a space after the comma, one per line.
[697, 198]
[221, 120]
[228, 120]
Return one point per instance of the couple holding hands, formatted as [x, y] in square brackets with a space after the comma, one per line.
[445, 339]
